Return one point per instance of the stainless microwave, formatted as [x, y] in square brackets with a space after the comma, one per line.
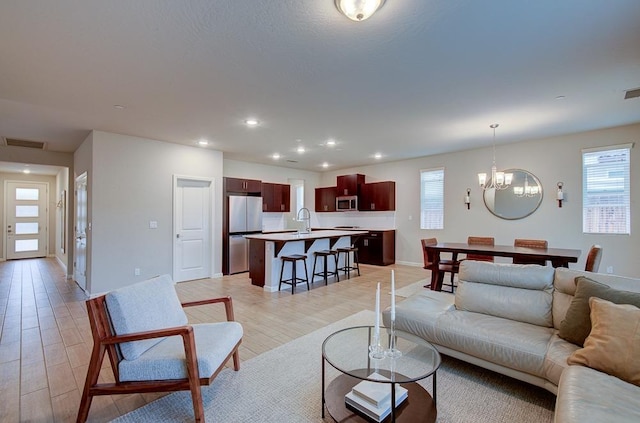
[347, 203]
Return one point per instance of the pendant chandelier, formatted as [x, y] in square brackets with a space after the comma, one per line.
[499, 180]
[526, 190]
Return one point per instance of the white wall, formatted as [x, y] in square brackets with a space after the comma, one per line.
[131, 183]
[551, 160]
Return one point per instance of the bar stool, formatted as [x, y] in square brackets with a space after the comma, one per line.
[325, 254]
[347, 268]
[293, 259]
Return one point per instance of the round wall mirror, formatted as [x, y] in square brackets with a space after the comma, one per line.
[518, 200]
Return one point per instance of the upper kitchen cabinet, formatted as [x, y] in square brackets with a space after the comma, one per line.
[377, 196]
[239, 185]
[326, 199]
[276, 197]
[348, 184]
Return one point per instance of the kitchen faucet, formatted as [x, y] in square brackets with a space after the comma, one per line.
[306, 218]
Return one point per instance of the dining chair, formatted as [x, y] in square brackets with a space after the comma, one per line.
[480, 240]
[152, 348]
[450, 266]
[539, 244]
[593, 259]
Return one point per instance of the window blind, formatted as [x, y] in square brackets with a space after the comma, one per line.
[432, 198]
[606, 190]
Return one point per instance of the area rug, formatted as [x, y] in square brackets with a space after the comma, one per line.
[284, 385]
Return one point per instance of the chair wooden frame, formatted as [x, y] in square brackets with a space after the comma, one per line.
[593, 259]
[539, 244]
[480, 240]
[106, 341]
[450, 266]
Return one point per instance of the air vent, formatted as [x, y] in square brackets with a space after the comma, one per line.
[292, 161]
[12, 142]
[632, 94]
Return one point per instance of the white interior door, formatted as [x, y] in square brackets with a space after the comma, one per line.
[192, 229]
[80, 249]
[27, 217]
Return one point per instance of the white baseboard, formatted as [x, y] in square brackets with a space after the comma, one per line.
[410, 263]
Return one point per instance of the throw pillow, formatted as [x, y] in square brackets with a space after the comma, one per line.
[614, 342]
[577, 324]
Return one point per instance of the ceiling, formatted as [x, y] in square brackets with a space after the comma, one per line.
[418, 78]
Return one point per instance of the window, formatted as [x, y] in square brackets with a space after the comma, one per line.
[432, 199]
[605, 190]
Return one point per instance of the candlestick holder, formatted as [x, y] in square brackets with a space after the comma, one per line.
[393, 351]
[376, 351]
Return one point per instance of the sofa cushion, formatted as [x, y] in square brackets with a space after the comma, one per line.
[517, 345]
[613, 346]
[587, 395]
[144, 306]
[516, 292]
[166, 359]
[419, 313]
[577, 324]
[555, 360]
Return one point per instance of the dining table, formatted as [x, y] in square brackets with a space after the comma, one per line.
[559, 257]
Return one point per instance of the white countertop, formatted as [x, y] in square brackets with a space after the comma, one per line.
[293, 236]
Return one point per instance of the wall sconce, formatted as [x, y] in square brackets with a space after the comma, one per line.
[560, 194]
[467, 199]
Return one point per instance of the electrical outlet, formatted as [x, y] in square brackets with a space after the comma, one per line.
[610, 270]
[136, 271]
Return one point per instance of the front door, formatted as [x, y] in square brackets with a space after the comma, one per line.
[192, 229]
[27, 217]
[80, 250]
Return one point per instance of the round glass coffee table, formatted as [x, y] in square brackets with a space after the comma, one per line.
[348, 352]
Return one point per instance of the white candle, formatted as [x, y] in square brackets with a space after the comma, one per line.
[393, 296]
[377, 327]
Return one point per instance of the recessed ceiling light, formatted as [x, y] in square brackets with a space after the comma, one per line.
[325, 165]
[26, 171]
[251, 122]
[203, 142]
[118, 106]
[300, 149]
[377, 156]
[275, 156]
[331, 143]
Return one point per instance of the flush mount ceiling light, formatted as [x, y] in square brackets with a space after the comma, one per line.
[300, 149]
[203, 142]
[358, 10]
[251, 122]
[275, 156]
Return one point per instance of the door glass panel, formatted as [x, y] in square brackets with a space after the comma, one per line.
[26, 211]
[23, 245]
[27, 193]
[26, 228]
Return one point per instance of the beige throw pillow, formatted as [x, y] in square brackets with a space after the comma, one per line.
[613, 345]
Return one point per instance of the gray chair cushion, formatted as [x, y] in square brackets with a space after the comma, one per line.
[166, 360]
[149, 305]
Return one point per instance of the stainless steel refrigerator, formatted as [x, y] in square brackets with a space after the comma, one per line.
[245, 217]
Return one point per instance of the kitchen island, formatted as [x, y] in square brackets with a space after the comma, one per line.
[265, 251]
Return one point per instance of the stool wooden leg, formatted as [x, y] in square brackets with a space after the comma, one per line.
[306, 274]
[294, 265]
[313, 273]
[281, 273]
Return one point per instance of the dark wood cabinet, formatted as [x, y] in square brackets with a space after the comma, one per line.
[377, 196]
[348, 184]
[326, 199]
[239, 185]
[377, 247]
[276, 197]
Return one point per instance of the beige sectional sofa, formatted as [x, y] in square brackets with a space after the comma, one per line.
[506, 318]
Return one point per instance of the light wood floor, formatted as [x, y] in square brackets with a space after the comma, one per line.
[46, 341]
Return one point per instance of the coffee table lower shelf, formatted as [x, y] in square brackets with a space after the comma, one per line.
[418, 407]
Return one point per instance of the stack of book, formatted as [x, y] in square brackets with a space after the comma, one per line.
[373, 399]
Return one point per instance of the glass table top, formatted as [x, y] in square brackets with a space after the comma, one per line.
[348, 351]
